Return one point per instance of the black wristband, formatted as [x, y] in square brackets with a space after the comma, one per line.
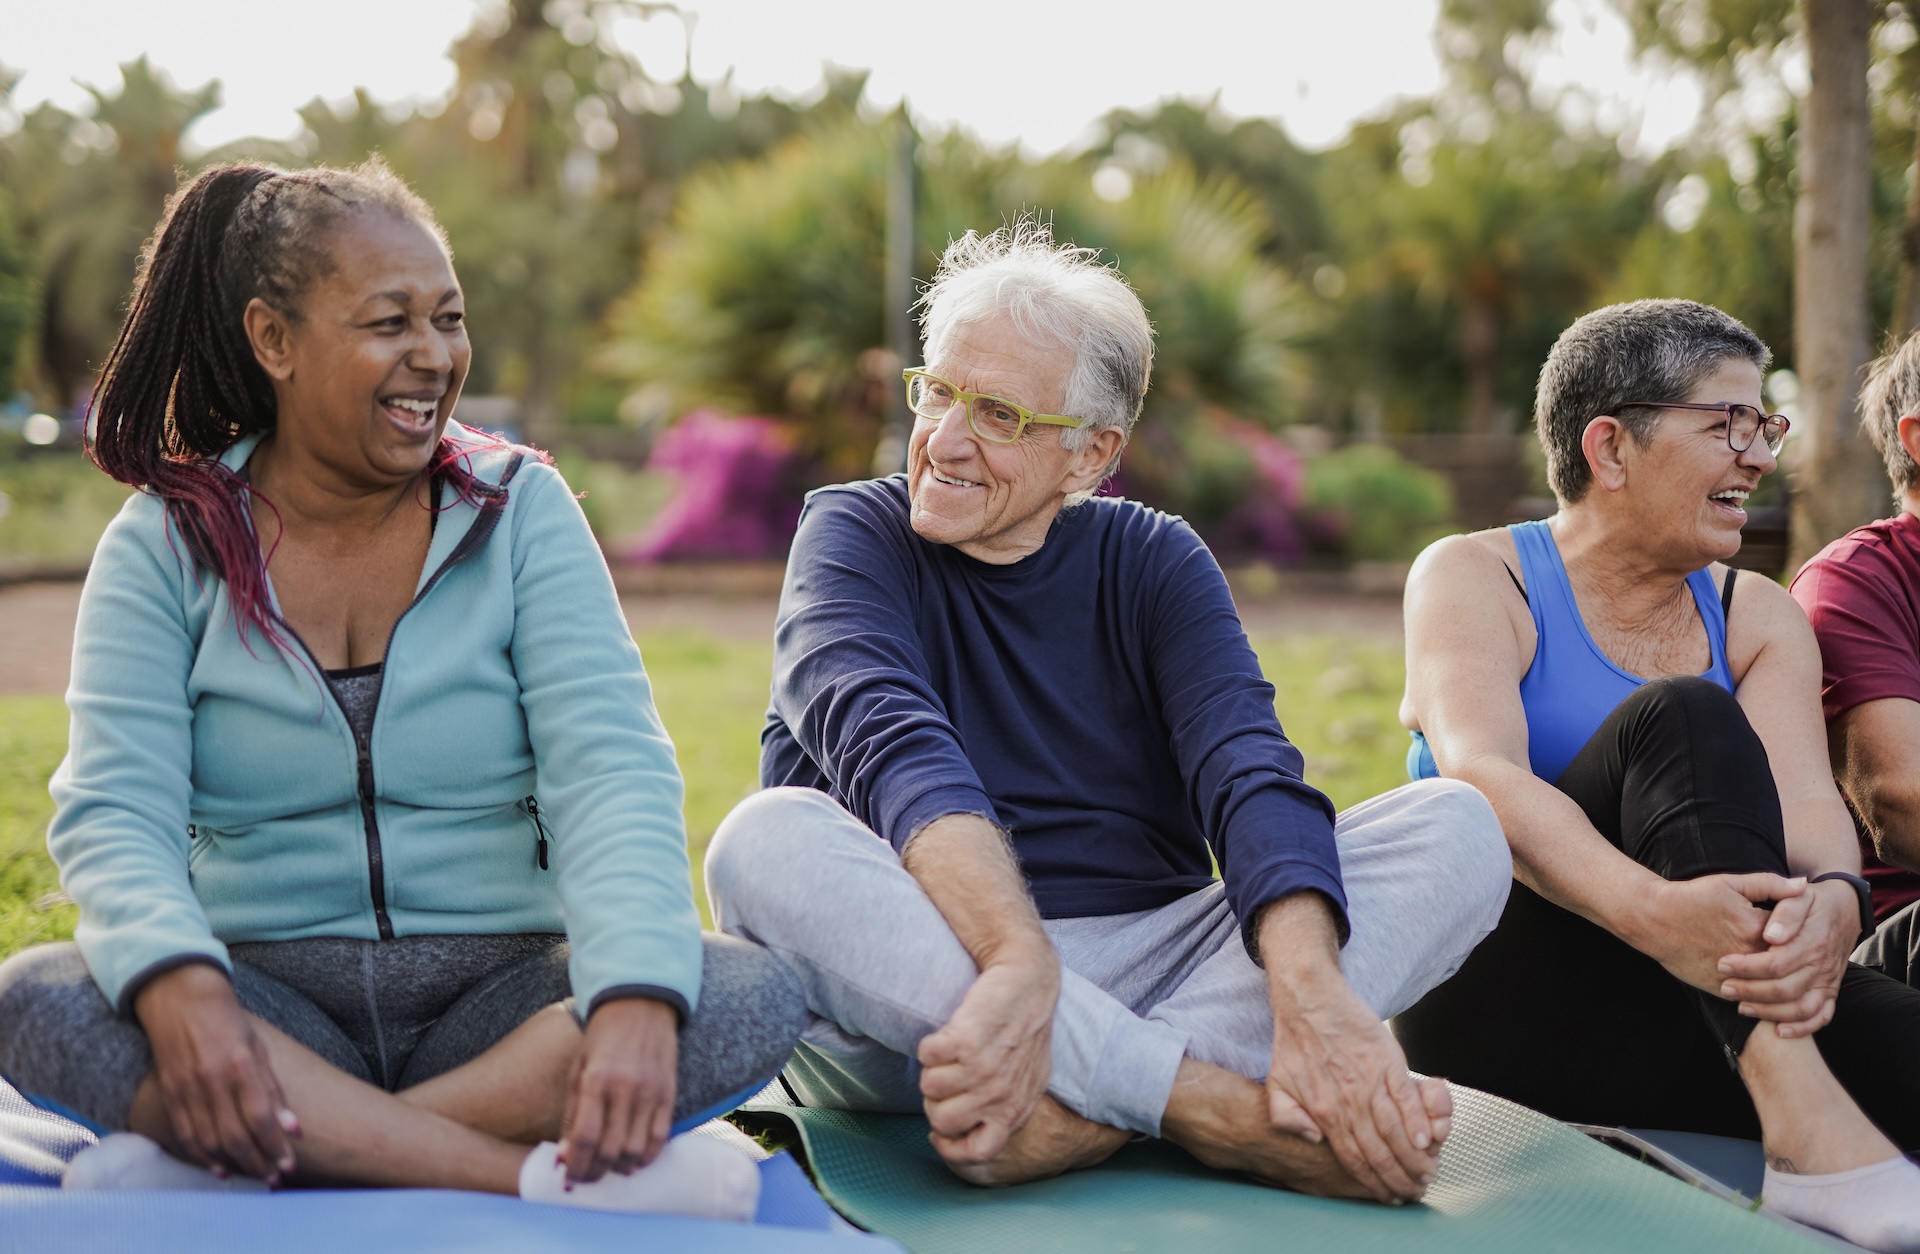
[1861, 888]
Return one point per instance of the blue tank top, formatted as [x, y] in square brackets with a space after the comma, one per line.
[1572, 686]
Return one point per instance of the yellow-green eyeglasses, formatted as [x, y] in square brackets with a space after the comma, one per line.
[994, 420]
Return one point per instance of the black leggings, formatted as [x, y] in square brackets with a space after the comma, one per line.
[1557, 1013]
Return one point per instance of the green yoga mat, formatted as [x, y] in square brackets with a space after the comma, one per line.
[1511, 1182]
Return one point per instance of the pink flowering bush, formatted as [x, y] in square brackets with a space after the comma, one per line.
[740, 484]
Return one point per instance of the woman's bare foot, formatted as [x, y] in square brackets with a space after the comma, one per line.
[1052, 1141]
[1221, 1119]
[1809, 1124]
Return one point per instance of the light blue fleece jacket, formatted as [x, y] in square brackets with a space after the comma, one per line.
[212, 789]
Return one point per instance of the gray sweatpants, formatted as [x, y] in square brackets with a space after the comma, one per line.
[1426, 871]
[394, 1013]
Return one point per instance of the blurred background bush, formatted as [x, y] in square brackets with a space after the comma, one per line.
[1347, 337]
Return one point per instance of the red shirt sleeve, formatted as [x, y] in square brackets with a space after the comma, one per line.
[1859, 593]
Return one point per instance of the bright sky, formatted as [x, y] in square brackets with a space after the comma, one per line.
[1034, 71]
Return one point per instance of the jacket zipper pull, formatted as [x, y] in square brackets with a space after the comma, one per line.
[540, 844]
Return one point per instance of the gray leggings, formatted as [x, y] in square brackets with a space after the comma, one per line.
[392, 1013]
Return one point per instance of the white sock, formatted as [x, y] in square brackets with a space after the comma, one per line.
[1877, 1206]
[696, 1176]
[127, 1160]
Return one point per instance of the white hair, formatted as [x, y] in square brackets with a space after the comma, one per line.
[1891, 392]
[1058, 294]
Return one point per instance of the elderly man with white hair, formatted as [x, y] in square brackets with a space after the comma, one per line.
[1010, 722]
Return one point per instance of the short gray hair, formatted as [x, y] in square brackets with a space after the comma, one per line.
[1057, 293]
[1890, 392]
[1645, 350]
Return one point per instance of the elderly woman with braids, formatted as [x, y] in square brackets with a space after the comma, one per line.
[374, 830]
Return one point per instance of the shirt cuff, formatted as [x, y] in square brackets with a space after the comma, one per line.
[938, 803]
[1280, 880]
[652, 992]
[147, 975]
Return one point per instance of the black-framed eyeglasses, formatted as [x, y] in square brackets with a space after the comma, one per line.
[1743, 422]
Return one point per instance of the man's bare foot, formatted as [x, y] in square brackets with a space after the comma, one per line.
[1052, 1141]
[1221, 1119]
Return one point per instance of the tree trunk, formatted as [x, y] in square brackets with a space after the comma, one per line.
[1480, 357]
[1906, 296]
[1840, 482]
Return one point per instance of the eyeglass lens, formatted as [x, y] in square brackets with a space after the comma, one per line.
[990, 419]
[1744, 422]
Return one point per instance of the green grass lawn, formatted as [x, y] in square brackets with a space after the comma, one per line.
[53, 507]
[1337, 698]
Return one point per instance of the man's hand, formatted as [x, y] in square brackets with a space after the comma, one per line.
[222, 1100]
[1794, 981]
[1337, 1072]
[620, 1097]
[987, 1068]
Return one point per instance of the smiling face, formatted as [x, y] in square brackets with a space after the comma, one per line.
[1687, 488]
[368, 374]
[995, 502]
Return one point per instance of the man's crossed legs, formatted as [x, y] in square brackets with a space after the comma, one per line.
[1163, 1024]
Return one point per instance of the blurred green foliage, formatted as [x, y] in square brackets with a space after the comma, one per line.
[764, 294]
[53, 506]
[1382, 507]
[33, 736]
[633, 247]
[618, 502]
[16, 297]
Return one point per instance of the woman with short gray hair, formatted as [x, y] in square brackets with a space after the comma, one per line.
[1648, 730]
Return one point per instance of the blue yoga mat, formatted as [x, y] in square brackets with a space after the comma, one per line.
[37, 1217]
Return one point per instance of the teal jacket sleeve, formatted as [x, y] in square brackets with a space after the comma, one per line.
[605, 767]
[121, 796]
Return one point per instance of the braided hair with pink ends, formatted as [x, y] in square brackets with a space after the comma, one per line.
[182, 385]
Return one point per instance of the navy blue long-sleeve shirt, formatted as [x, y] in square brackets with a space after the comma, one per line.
[1097, 699]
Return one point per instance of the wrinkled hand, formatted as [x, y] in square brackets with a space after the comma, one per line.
[223, 1102]
[1689, 926]
[986, 1069]
[621, 1093]
[1794, 980]
[1339, 1075]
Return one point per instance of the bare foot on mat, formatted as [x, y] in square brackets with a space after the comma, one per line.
[1053, 1140]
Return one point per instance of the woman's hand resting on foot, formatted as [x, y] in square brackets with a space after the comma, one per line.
[222, 1101]
[620, 1097]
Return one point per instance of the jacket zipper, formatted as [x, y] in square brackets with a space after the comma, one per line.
[540, 830]
[477, 535]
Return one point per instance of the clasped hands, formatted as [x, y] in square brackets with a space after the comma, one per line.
[1782, 965]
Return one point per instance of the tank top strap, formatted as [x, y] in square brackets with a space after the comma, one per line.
[1549, 595]
[1713, 616]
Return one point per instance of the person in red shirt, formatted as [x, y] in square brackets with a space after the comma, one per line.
[1862, 593]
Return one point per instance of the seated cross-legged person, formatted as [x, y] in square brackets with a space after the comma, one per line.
[1862, 594]
[1009, 724]
[374, 830]
[1648, 728]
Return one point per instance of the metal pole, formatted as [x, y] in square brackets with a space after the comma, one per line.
[890, 454]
